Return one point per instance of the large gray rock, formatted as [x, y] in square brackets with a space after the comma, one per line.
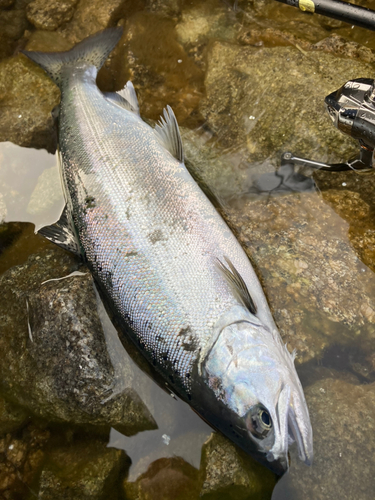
[29, 98]
[58, 365]
[343, 419]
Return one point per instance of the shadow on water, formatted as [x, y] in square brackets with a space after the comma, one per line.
[238, 80]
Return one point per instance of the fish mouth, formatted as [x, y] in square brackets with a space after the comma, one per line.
[293, 426]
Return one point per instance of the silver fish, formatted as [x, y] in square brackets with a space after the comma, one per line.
[171, 269]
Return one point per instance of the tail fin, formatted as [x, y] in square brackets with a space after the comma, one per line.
[93, 50]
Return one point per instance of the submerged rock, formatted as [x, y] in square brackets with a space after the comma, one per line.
[150, 55]
[28, 98]
[12, 27]
[49, 15]
[11, 417]
[319, 291]
[87, 470]
[228, 472]
[165, 479]
[58, 365]
[342, 416]
[279, 105]
[21, 457]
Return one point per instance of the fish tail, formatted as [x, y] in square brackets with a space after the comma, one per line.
[92, 51]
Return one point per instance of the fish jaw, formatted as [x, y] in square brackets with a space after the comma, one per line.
[250, 376]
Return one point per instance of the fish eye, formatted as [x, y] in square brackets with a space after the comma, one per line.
[259, 421]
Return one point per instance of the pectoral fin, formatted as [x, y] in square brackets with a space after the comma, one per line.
[63, 233]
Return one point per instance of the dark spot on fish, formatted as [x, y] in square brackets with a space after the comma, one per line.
[90, 202]
[127, 213]
[156, 236]
[184, 331]
[171, 378]
[187, 375]
[230, 349]
[132, 253]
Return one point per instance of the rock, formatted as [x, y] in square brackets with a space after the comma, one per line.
[166, 478]
[229, 473]
[90, 17]
[267, 111]
[342, 416]
[58, 365]
[352, 196]
[312, 277]
[87, 470]
[28, 97]
[21, 458]
[166, 7]
[161, 71]
[11, 417]
[47, 15]
[5, 4]
[12, 26]
[340, 46]
[202, 21]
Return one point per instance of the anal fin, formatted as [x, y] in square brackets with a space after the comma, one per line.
[63, 233]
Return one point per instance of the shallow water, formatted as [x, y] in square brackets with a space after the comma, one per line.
[312, 241]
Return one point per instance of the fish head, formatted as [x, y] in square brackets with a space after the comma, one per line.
[258, 394]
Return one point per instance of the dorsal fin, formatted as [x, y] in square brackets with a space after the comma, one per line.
[63, 233]
[237, 284]
[168, 134]
[129, 94]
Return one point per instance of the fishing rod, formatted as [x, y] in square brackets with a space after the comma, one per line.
[343, 11]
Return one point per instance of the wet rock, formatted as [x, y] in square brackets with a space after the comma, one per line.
[12, 26]
[91, 17]
[49, 15]
[340, 46]
[21, 458]
[11, 417]
[86, 470]
[315, 283]
[165, 479]
[342, 416]
[5, 4]
[166, 7]
[27, 97]
[58, 365]
[228, 472]
[204, 20]
[278, 107]
[162, 72]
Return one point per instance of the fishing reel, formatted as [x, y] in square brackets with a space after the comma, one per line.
[352, 110]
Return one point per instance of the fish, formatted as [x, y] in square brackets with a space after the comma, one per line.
[176, 278]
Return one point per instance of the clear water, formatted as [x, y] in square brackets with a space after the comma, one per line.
[331, 326]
